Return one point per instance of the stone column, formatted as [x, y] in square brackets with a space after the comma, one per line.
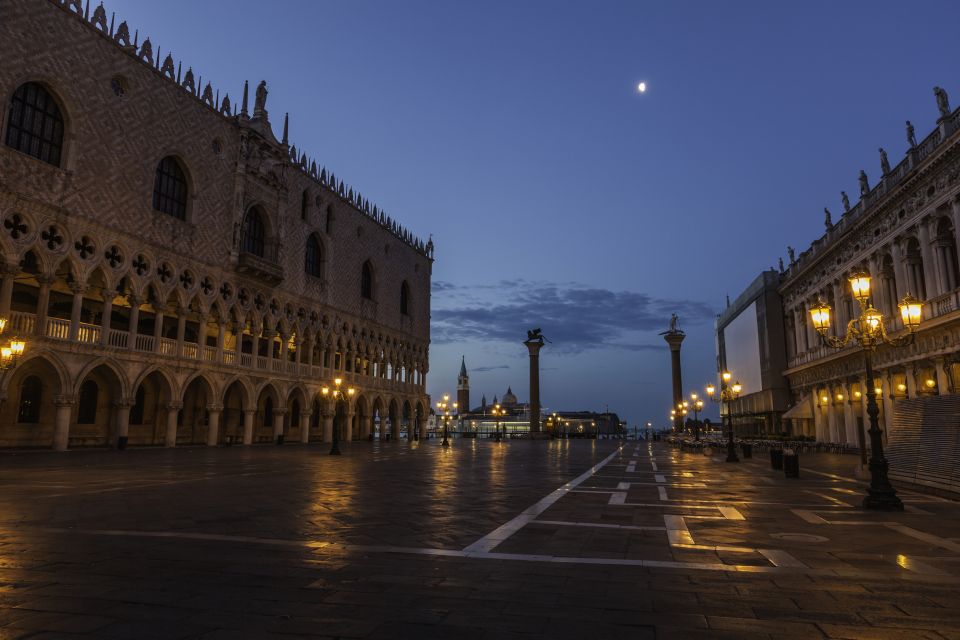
[108, 295]
[221, 338]
[423, 427]
[78, 291]
[849, 415]
[284, 350]
[248, 425]
[533, 347]
[348, 425]
[911, 380]
[395, 428]
[930, 274]
[832, 425]
[278, 414]
[819, 426]
[943, 382]
[799, 331]
[61, 421]
[886, 386]
[213, 431]
[238, 345]
[134, 321]
[6, 288]
[675, 338]
[305, 426]
[157, 330]
[43, 305]
[170, 437]
[327, 424]
[202, 338]
[181, 329]
[268, 336]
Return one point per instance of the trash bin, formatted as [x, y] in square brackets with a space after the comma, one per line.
[121, 442]
[280, 439]
[747, 449]
[776, 459]
[791, 463]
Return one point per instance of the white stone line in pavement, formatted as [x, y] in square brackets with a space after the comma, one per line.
[632, 467]
[780, 558]
[504, 531]
[618, 497]
[826, 496]
[653, 463]
[911, 564]
[663, 493]
[659, 477]
[597, 525]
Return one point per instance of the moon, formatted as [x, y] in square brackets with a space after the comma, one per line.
[642, 87]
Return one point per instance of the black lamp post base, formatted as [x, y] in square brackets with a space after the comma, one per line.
[335, 450]
[882, 501]
[732, 456]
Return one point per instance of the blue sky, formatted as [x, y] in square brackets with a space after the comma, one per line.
[557, 195]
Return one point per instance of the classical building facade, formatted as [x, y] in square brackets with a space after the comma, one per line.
[180, 274]
[904, 232]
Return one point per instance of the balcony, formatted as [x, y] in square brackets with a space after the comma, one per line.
[265, 268]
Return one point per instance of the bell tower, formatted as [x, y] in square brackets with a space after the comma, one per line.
[463, 388]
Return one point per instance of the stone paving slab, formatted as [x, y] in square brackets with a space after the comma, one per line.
[563, 539]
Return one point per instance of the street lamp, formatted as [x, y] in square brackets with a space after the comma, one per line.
[697, 405]
[869, 332]
[335, 394]
[445, 407]
[497, 414]
[728, 393]
[11, 347]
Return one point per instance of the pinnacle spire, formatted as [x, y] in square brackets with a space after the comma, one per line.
[463, 366]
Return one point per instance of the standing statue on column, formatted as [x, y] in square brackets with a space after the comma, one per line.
[792, 254]
[864, 185]
[911, 137]
[884, 162]
[827, 220]
[943, 103]
[845, 200]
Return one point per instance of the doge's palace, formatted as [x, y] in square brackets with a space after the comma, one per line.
[180, 274]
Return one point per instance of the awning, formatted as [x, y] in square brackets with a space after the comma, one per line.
[799, 411]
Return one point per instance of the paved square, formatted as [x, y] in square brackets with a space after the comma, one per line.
[564, 539]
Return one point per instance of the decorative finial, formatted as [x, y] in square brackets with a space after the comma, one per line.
[286, 126]
[243, 105]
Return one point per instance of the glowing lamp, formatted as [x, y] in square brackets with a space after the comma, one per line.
[5, 353]
[877, 390]
[351, 391]
[737, 387]
[873, 319]
[901, 387]
[710, 389]
[911, 311]
[726, 376]
[325, 390]
[860, 283]
[3, 324]
[839, 397]
[930, 382]
[857, 395]
[820, 314]
[825, 399]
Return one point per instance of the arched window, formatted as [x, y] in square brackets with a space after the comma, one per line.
[366, 281]
[35, 125]
[31, 395]
[268, 412]
[170, 189]
[313, 257]
[304, 204]
[140, 401]
[253, 233]
[405, 298]
[295, 414]
[87, 407]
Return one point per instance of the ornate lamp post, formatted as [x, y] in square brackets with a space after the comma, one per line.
[11, 347]
[697, 405]
[445, 407]
[497, 414]
[335, 394]
[728, 393]
[869, 333]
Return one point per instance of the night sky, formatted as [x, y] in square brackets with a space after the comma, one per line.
[558, 197]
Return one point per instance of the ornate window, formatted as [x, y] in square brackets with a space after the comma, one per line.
[87, 407]
[366, 281]
[31, 395]
[405, 298]
[313, 257]
[35, 125]
[253, 233]
[170, 189]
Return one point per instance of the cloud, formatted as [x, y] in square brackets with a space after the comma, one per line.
[482, 369]
[573, 316]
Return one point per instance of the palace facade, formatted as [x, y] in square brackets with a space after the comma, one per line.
[180, 274]
[904, 232]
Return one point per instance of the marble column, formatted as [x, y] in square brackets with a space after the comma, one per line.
[278, 414]
[122, 417]
[943, 382]
[134, 321]
[157, 330]
[170, 437]
[327, 425]
[534, 346]
[348, 426]
[108, 294]
[248, 415]
[61, 423]
[930, 272]
[911, 382]
[10, 272]
[305, 426]
[43, 304]
[213, 430]
[849, 416]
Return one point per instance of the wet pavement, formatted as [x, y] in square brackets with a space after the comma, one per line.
[562, 539]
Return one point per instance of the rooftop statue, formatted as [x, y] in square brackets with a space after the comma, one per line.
[911, 138]
[846, 201]
[864, 185]
[827, 219]
[884, 162]
[260, 100]
[943, 102]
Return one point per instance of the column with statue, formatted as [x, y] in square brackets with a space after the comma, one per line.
[674, 337]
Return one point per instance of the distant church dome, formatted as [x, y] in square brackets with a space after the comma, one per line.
[509, 400]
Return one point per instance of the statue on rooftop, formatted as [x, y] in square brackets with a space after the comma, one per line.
[260, 100]
[845, 200]
[943, 102]
[827, 219]
[911, 138]
[791, 254]
[884, 162]
[864, 185]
